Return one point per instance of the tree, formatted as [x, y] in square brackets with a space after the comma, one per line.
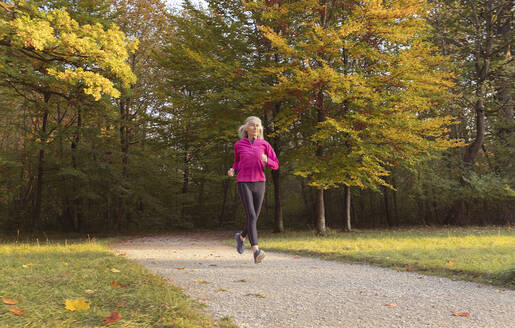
[477, 36]
[45, 54]
[369, 72]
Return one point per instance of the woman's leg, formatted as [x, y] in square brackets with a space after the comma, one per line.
[258, 194]
[245, 192]
[252, 195]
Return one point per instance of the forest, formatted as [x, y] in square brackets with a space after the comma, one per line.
[121, 115]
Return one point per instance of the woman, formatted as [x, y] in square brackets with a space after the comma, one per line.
[251, 154]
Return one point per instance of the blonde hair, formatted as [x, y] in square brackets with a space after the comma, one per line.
[242, 131]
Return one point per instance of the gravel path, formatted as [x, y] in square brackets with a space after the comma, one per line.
[292, 291]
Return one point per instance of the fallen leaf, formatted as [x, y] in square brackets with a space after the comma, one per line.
[27, 265]
[200, 281]
[115, 316]
[241, 280]
[390, 304]
[156, 262]
[115, 284]
[461, 314]
[181, 268]
[222, 290]
[256, 295]
[76, 305]
[449, 264]
[500, 290]
[89, 291]
[115, 270]
[9, 301]
[296, 257]
[17, 311]
[213, 265]
[196, 270]
[168, 279]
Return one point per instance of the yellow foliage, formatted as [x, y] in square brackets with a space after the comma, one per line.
[87, 54]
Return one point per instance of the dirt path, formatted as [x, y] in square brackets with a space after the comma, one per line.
[292, 291]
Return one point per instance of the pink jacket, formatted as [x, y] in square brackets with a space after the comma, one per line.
[247, 160]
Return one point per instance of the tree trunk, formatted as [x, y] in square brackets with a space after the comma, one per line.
[387, 207]
[347, 209]
[185, 180]
[319, 199]
[76, 212]
[278, 212]
[36, 214]
[397, 218]
[225, 188]
[473, 149]
[276, 178]
[482, 65]
[319, 211]
[125, 143]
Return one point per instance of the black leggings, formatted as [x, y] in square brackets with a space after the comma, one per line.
[251, 194]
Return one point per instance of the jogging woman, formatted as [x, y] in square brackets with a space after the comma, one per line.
[251, 154]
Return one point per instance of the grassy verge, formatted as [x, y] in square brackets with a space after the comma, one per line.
[42, 277]
[484, 255]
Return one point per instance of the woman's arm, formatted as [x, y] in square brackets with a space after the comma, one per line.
[236, 164]
[272, 161]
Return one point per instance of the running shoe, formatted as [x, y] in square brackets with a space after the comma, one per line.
[240, 244]
[259, 255]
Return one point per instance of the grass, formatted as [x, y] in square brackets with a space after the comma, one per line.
[485, 255]
[43, 276]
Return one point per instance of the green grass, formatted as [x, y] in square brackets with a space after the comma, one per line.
[71, 269]
[484, 255]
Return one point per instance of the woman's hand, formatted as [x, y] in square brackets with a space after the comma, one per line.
[230, 172]
[264, 158]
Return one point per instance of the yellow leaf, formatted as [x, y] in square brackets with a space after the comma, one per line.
[115, 270]
[27, 265]
[449, 264]
[89, 291]
[76, 305]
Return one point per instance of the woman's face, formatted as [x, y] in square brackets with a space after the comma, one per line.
[252, 128]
